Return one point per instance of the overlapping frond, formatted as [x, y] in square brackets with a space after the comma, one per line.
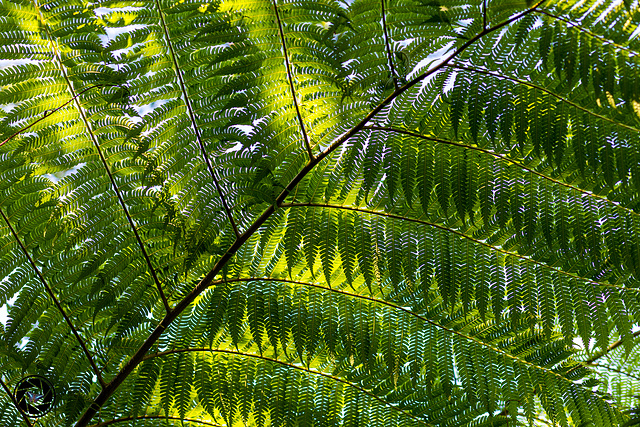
[274, 213]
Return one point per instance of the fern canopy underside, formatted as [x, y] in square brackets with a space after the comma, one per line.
[321, 213]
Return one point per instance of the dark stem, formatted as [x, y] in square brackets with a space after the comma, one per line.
[307, 141]
[196, 130]
[586, 31]
[387, 46]
[104, 162]
[613, 369]
[50, 112]
[484, 14]
[126, 370]
[612, 347]
[55, 300]
[15, 403]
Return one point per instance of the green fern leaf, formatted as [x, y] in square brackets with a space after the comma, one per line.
[265, 213]
[544, 45]
[425, 174]
[236, 311]
[460, 182]
[256, 313]
[476, 106]
[521, 120]
[506, 107]
[365, 259]
[293, 236]
[299, 327]
[217, 309]
[442, 177]
[458, 101]
[584, 64]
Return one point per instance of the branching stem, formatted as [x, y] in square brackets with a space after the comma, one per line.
[54, 298]
[305, 136]
[139, 355]
[387, 45]
[196, 129]
[50, 112]
[15, 403]
[96, 144]
[337, 143]
[586, 31]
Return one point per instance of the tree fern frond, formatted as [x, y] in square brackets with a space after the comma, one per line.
[292, 212]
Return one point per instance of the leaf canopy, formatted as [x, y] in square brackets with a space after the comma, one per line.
[321, 213]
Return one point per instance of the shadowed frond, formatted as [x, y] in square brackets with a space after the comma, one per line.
[321, 213]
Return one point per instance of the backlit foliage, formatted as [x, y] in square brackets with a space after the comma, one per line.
[321, 213]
